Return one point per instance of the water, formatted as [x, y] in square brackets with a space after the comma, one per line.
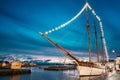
[40, 74]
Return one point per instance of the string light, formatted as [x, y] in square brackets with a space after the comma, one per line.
[50, 31]
[59, 27]
[68, 22]
[98, 18]
[56, 28]
[93, 12]
[100, 23]
[53, 30]
[46, 32]
[75, 17]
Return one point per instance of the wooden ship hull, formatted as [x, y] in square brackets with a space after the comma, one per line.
[90, 71]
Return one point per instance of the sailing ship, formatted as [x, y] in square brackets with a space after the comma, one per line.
[84, 68]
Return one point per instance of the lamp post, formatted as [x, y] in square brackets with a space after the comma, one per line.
[113, 51]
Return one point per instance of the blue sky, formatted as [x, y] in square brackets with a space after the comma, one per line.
[21, 20]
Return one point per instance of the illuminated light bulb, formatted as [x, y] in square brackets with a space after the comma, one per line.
[63, 25]
[113, 51]
[53, 30]
[66, 23]
[100, 23]
[46, 32]
[59, 27]
[93, 12]
[56, 28]
[50, 31]
[98, 18]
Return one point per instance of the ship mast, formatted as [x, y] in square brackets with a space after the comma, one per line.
[104, 47]
[88, 30]
[103, 55]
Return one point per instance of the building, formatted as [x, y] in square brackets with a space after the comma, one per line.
[4, 64]
[16, 65]
[117, 63]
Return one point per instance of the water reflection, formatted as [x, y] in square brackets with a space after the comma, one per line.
[40, 74]
[15, 77]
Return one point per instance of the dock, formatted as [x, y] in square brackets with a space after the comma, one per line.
[4, 72]
[58, 68]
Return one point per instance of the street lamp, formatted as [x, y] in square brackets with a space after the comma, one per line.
[113, 51]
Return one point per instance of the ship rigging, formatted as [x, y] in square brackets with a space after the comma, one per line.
[84, 68]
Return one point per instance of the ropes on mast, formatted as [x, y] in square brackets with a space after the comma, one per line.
[102, 32]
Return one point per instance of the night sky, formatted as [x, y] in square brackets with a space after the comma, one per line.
[22, 20]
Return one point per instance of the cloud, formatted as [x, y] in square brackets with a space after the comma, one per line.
[28, 51]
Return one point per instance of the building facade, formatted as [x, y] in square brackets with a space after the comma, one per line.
[16, 65]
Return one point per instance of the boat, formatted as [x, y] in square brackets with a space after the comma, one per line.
[84, 68]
